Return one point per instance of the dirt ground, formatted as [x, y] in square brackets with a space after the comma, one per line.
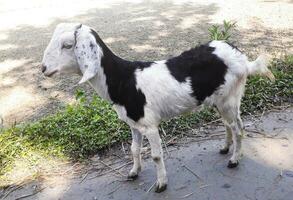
[195, 169]
[134, 29]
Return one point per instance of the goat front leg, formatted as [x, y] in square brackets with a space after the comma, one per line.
[135, 150]
[154, 139]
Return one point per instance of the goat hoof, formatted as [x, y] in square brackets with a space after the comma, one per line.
[224, 151]
[132, 176]
[232, 164]
[160, 187]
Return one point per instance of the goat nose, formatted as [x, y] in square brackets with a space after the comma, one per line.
[44, 67]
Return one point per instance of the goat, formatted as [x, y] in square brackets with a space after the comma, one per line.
[145, 93]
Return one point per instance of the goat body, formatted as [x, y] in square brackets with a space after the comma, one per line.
[145, 93]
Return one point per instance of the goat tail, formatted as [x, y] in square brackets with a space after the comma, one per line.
[260, 66]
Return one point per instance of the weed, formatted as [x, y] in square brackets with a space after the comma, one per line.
[224, 33]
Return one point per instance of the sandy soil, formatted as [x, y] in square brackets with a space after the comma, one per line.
[134, 29]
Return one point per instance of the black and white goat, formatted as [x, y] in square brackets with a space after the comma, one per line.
[145, 93]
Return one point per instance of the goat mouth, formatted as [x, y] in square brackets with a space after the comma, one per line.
[52, 73]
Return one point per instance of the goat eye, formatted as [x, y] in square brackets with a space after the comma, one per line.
[66, 46]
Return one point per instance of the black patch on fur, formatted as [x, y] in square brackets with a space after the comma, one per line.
[91, 45]
[205, 70]
[121, 81]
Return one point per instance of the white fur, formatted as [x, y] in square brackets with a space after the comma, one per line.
[165, 96]
[56, 59]
[235, 60]
[99, 84]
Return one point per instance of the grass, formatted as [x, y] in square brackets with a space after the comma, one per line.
[76, 132]
[90, 125]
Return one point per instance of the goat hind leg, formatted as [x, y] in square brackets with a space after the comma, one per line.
[236, 136]
[234, 124]
[228, 140]
[237, 133]
[157, 155]
[135, 150]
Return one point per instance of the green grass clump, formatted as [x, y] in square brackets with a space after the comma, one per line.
[76, 132]
[79, 130]
[224, 33]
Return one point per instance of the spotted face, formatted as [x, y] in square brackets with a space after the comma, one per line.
[72, 49]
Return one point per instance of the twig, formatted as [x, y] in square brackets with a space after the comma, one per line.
[114, 190]
[113, 169]
[197, 176]
[84, 177]
[118, 156]
[265, 135]
[173, 129]
[70, 169]
[32, 194]
[187, 195]
[256, 131]
[112, 163]
[164, 143]
[164, 132]
[151, 187]
[10, 191]
[171, 140]
[123, 148]
[203, 186]
[284, 120]
[220, 133]
[117, 168]
[205, 139]
[278, 108]
[211, 122]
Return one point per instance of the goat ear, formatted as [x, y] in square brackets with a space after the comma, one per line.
[88, 54]
[88, 74]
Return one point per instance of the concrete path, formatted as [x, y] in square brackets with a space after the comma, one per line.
[197, 171]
